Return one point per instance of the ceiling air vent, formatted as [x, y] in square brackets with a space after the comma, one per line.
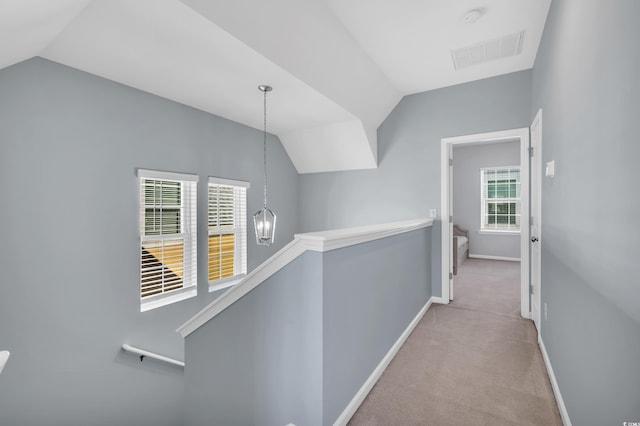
[503, 47]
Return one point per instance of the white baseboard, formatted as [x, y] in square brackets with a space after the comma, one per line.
[362, 393]
[554, 384]
[482, 256]
[440, 300]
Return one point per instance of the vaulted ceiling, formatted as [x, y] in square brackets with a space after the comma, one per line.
[338, 67]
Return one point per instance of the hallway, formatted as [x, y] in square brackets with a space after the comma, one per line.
[474, 361]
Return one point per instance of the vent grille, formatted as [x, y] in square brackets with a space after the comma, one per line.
[503, 47]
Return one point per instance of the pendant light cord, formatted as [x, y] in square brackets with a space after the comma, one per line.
[265, 149]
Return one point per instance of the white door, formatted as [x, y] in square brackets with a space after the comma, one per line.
[536, 172]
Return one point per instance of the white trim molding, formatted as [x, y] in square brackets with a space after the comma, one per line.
[163, 299]
[364, 390]
[495, 232]
[159, 174]
[314, 241]
[483, 256]
[522, 135]
[564, 414]
[229, 182]
[338, 238]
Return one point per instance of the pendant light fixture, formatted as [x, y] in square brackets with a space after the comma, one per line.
[264, 219]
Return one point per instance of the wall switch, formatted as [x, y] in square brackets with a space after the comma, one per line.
[550, 170]
[4, 356]
[433, 213]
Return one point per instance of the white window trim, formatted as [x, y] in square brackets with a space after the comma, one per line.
[159, 300]
[489, 231]
[229, 182]
[498, 232]
[240, 258]
[158, 174]
[190, 287]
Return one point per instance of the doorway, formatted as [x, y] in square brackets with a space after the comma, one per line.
[521, 135]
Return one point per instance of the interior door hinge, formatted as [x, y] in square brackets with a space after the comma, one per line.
[450, 218]
[450, 275]
[451, 161]
[530, 289]
[530, 151]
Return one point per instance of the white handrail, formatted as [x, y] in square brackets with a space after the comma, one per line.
[142, 353]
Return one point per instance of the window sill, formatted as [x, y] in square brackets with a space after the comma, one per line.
[167, 299]
[497, 232]
[225, 283]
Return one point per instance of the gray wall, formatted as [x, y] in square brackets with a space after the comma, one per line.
[467, 162]
[70, 144]
[586, 81]
[298, 347]
[371, 293]
[260, 361]
[406, 183]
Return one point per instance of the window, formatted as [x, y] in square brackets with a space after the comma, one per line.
[500, 199]
[227, 225]
[168, 261]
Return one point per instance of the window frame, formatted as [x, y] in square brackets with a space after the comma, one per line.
[239, 231]
[485, 200]
[188, 234]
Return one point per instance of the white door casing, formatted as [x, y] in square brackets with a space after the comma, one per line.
[522, 135]
[446, 224]
[536, 177]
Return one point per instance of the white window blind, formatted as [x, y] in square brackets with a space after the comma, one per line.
[227, 232]
[168, 243]
[500, 194]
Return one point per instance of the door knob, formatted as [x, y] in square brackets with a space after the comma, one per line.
[534, 239]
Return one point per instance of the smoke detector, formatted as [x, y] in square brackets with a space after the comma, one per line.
[472, 16]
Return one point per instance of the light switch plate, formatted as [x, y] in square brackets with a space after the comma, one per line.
[551, 169]
[4, 356]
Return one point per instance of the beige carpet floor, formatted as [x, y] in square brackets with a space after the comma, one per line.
[472, 362]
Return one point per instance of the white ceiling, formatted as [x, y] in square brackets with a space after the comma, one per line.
[411, 40]
[338, 67]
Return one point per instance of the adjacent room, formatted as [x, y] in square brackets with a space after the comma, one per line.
[487, 221]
